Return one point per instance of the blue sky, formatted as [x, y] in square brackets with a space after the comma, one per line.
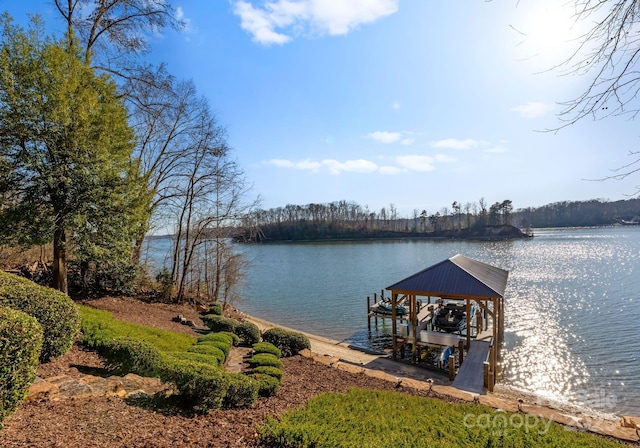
[406, 102]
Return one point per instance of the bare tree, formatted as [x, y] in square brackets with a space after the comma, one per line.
[609, 53]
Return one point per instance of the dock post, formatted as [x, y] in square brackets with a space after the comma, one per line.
[375, 300]
[452, 367]
[486, 374]
[369, 314]
[461, 350]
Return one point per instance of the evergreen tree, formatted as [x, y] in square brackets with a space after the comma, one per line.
[65, 151]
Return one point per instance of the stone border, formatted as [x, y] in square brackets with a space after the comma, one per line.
[625, 428]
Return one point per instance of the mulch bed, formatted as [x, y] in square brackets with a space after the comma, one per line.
[116, 422]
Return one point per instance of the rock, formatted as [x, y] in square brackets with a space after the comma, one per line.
[202, 309]
[349, 367]
[42, 390]
[610, 428]
[415, 384]
[453, 392]
[178, 318]
[499, 403]
[552, 414]
[189, 323]
[325, 359]
[630, 422]
[381, 375]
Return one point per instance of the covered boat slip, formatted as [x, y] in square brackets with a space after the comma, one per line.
[457, 304]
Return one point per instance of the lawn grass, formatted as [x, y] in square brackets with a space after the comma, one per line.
[99, 327]
[376, 419]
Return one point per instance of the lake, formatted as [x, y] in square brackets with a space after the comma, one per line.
[571, 304]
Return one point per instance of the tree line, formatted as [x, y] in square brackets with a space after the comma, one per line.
[99, 148]
[350, 219]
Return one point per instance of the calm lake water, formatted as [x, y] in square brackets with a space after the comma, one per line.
[572, 327]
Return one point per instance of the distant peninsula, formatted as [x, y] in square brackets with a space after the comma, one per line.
[272, 235]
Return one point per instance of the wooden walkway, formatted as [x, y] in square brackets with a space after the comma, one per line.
[470, 375]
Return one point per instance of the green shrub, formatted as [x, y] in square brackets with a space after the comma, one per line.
[269, 370]
[267, 385]
[265, 359]
[267, 347]
[217, 337]
[56, 313]
[289, 342]
[194, 357]
[202, 386]
[233, 336]
[132, 356]
[207, 349]
[242, 391]
[220, 323]
[248, 332]
[216, 308]
[225, 347]
[20, 345]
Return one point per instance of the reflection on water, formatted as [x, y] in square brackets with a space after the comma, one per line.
[571, 331]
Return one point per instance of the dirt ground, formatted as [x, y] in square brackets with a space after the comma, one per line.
[117, 422]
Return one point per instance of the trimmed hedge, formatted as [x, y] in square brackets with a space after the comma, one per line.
[233, 336]
[242, 391]
[220, 323]
[267, 385]
[267, 347]
[248, 332]
[265, 359]
[289, 342]
[194, 357]
[132, 356]
[217, 337]
[56, 312]
[225, 347]
[20, 346]
[269, 370]
[216, 308]
[207, 349]
[202, 386]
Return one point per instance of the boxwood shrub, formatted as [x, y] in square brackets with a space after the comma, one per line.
[20, 345]
[242, 391]
[265, 359]
[215, 308]
[266, 347]
[194, 357]
[267, 385]
[220, 323]
[56, 313]
[207, 349]
[217, 337]
[132, 356]
[202, 386]
[269, 370]
[289, 342]
[235, 338]
[248, 332]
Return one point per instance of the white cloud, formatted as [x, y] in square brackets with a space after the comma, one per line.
[186, 21]
[385, 137]
[497, 149]
[356, 166]
[333, 166]
[391, 170]
[534, 109]
[445, 158]
[416, 162]
[453, 143]
[276, 21]
[407, 141]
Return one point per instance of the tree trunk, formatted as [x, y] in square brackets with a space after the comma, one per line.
[59, 281]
